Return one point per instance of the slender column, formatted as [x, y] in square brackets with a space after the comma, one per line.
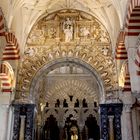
[80, 131]
[135, 122]
[86, 133]
[4, 113]
[111, 129]
[10, 123]
[129, 132]
[38, 127]
[22, 127]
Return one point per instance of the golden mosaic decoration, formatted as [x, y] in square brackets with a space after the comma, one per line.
[48, 41]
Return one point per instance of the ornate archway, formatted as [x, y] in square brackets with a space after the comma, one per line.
[90, 43]
[70, 80]
[90, 72]
[73, 40]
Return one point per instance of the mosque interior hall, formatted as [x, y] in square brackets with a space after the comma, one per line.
[69, 69]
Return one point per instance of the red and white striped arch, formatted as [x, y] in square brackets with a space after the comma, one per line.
[6, 77]
[2, 24]
[137, 60]
[133, 26]
[127, 82]
[121, 53]
[11, 51]
[133, 18]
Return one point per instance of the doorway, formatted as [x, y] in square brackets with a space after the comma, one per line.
[67, 99]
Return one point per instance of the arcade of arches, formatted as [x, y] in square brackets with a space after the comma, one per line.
[70, 70]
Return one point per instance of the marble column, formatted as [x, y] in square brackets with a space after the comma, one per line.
[10, 123]
[136, 123]
[4, 114]
[128, 123]
[38, 127]
[111, 128]
[22, 127]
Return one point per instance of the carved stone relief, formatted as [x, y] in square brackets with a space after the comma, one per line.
[76, 87]
[47, 42]
[57, 86]
[67, 26]
[71, 89]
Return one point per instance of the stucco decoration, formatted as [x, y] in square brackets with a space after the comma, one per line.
[89, 41]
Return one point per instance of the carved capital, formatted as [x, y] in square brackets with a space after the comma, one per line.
[4, 108]
[111, 118]
[136, 94]
[127, 107]
[127, 98]
[23, 101]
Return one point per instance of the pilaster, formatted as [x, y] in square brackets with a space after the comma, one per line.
[111, 118]
[5, 116]
[128, 122]
[23, 127]
[128, 101]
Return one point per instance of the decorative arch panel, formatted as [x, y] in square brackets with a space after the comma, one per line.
[48, 42]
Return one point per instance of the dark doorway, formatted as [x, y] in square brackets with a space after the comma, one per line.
[93, 130]
[50, 129]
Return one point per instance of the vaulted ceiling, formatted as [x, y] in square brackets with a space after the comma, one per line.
[21, 15]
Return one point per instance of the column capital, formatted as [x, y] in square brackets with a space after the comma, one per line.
[127, 107]
[22, 116]
[111, 117]
[127, 98]
[23, 101]
[136, 94]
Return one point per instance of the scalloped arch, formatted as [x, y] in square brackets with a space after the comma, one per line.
[31, 67]
[28, 81]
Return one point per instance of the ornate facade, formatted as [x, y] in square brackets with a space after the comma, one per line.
[70, 70]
